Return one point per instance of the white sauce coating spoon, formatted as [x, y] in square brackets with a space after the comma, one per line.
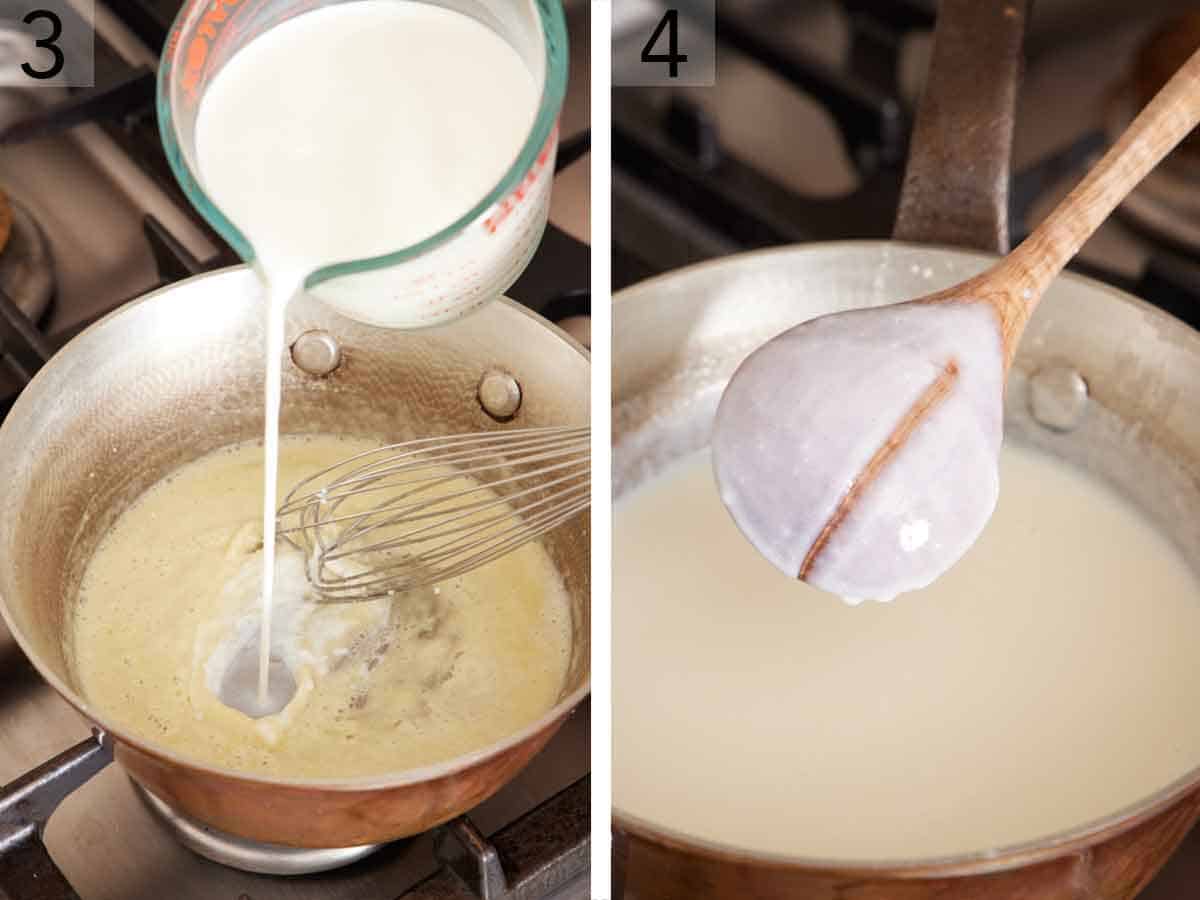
[858, 451]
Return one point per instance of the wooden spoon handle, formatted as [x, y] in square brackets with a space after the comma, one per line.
[1166, 120]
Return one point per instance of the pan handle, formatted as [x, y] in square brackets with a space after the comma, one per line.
[26, 869]
[956, 184]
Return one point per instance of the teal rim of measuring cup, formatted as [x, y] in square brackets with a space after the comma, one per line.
[554, 88]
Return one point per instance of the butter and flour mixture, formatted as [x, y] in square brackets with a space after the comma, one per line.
[172, 594]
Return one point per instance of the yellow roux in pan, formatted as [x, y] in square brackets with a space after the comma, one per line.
[1049, 679]
[384, 686]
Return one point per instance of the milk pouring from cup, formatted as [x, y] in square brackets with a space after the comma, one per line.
[409, 229]
[391, 157]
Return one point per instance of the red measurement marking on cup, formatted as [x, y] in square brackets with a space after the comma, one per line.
[506, 206]
[196, 53]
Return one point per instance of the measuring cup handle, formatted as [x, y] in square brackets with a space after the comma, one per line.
[956, 184]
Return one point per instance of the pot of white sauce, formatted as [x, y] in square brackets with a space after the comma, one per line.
[1025, 727]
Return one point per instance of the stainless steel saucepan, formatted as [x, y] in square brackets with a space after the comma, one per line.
[179, 373]
[1102, 380]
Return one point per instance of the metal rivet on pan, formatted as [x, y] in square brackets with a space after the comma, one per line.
[316, 352]
[499, 395]
[1058, 397]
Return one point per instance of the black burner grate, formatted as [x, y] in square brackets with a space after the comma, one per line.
[680, 197]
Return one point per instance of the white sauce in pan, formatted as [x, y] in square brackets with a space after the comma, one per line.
[1050, 678]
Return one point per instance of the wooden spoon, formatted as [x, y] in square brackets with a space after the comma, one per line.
[858, 451]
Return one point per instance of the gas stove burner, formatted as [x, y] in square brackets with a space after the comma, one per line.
[26, 266]
[247, 855]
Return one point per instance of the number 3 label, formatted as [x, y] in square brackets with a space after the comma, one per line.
[47, 43]
[53, 42]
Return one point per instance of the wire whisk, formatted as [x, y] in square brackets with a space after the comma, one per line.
[412, 514]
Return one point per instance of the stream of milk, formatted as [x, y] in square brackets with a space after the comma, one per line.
[281, 291]
[349, 132]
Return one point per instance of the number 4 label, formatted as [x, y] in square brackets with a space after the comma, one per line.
[669, 23]
[664, 44]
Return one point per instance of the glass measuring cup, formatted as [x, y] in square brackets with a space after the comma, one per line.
[449, 273]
